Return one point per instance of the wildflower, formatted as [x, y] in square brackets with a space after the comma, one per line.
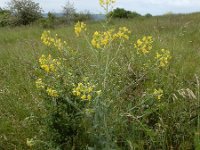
[39, 83]
[90, 89]
[158, 93]
[144, 45]
[163, 58]
[102, 39]
[79, 27]
[122, 33]
[48, 64]
[58, 43]
[83, 97]
[89, 97]
[106, 3]
[83, 90]
[48, 40]
[52, 92]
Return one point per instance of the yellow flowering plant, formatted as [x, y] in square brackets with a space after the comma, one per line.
[158, 93]
[79, 27]
[163, 57]
[144, 45]
[106, 4]
[83, 107]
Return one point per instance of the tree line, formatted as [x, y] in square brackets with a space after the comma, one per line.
[25, 12]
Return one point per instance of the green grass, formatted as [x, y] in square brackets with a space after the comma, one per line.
[21, 47]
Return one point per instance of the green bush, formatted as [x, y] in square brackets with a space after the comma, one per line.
[49, 22]
[133, 15]
[82, 16]
[25, 11]
[5, 16]
[148, 15]
[122, 13]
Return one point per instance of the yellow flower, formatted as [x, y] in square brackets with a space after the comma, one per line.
[83, 90]
[123, 33]
[79, 27]
[52, 92]
[45, 68]
[106, 3]
[102, 39]
[48, 40]
[48, 64]
[90, 89]
[83, 97]
[163, 58]
[158, 93]
[144, 45]
[89, 97]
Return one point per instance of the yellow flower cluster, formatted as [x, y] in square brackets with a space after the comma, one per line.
[51, 92]
[163, 58]
[84, 91]
[122, 33]
[79, 27]
[102, 39]
[158, 93]
[105, 3]
[48, 64]
[48, 40]
[40, 84]
[144, 45]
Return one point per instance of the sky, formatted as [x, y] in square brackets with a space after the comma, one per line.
[155, 7]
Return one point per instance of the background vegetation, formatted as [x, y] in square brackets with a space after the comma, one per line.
[122, 13]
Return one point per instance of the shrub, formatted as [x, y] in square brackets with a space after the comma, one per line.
[114, 94]
[148, 15]
[82, 16]
[25, 11]
[69, 12]
[5, 16]
[49, 22]
[122, 13]
[119, 13]
[133, 15]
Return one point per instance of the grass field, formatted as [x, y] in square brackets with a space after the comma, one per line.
[21, 107]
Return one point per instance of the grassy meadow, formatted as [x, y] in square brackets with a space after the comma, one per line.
[21, 103]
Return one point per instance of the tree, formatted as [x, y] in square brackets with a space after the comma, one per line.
[49, 22]
[5, 17]
[25, 11]
[122, 13]
[119, 13]
[69, 12]
[148, 15]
